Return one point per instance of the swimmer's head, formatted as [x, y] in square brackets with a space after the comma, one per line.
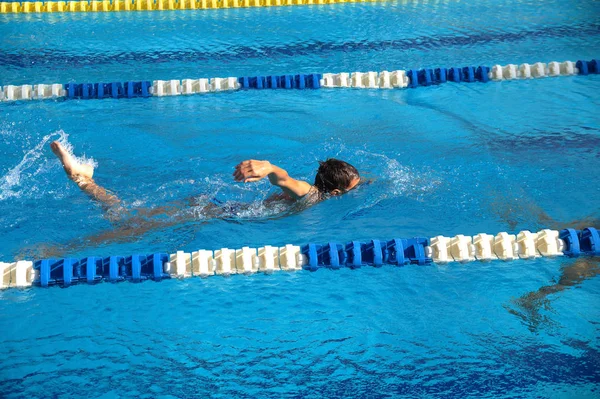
[336, 177]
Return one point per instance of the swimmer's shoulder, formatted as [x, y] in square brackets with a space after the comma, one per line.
[312, 196]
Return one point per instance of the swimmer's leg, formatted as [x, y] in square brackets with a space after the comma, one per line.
[529, 305]
[525, 210]
[82, 176]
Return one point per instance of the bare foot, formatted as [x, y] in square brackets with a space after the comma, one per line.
[73, 169]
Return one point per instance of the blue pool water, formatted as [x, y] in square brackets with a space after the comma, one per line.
[451, 159]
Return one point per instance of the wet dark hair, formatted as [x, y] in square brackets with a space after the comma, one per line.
[334, 174]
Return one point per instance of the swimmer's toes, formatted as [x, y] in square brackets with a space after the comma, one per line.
[60, 152]
[54, 146]
[72, 168]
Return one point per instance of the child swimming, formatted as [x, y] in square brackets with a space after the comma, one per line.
[333, 178]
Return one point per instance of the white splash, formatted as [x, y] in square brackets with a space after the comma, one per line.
[83, 159]
[393, 180]
[35, 162]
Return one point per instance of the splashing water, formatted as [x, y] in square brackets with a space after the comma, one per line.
[19, 178]
[248, 202]
[83, 159]
[394, 180]
[402, 180]
[398, 179]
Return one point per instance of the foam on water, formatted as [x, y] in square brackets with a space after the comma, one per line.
[400, 179]
[394, 180]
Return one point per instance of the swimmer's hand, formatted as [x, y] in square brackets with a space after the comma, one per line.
[253, 170]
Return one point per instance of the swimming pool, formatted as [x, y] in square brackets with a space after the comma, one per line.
[449, 159]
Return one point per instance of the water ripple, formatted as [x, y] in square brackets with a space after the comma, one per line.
[33, 59]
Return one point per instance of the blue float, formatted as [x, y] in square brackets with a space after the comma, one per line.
[401, 251]
[393, 252]
[79, 270]
[43, 267]
[99, 89]
[91, 266]
[116, 90]
[315, 80]
[454, 75]
[335, 256]
[129, 89]
[155, 264]
[287, 81]
[56, 271]
[331, 255]
[244, 82]
[252, 83]
[136, 89]
[273, 82]
[482, 74]
[594, 66]
[132, 267]
[260, 82]
[582, 66]
[353, 254]
[93, 269]
[300, 81]
[73, 90]
[468, 74]
[103, 90]
[589, 241]
[88, 91]
[143, 267]
[67, 271]
[569, 236]
[413, 78]
[111, 267]
[372, 253]
[440, 75]
[425, 77]
[414, 249]
[311, 251]
[145, 88]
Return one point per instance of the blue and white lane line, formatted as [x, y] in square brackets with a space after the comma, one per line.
[332, 255]
[360, 80]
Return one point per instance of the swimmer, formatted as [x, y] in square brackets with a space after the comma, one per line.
[334, 177]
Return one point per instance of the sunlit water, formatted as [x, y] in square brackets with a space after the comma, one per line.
[453, 159]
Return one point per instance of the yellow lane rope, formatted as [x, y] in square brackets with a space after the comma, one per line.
[152, 5]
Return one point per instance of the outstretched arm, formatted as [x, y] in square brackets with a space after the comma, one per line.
[252, 170]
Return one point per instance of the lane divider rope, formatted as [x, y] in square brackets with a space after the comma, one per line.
[25, 7]
[332, 255]
[360, 80]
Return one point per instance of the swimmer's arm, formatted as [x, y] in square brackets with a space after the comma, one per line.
[295, 188]
[252, 170]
